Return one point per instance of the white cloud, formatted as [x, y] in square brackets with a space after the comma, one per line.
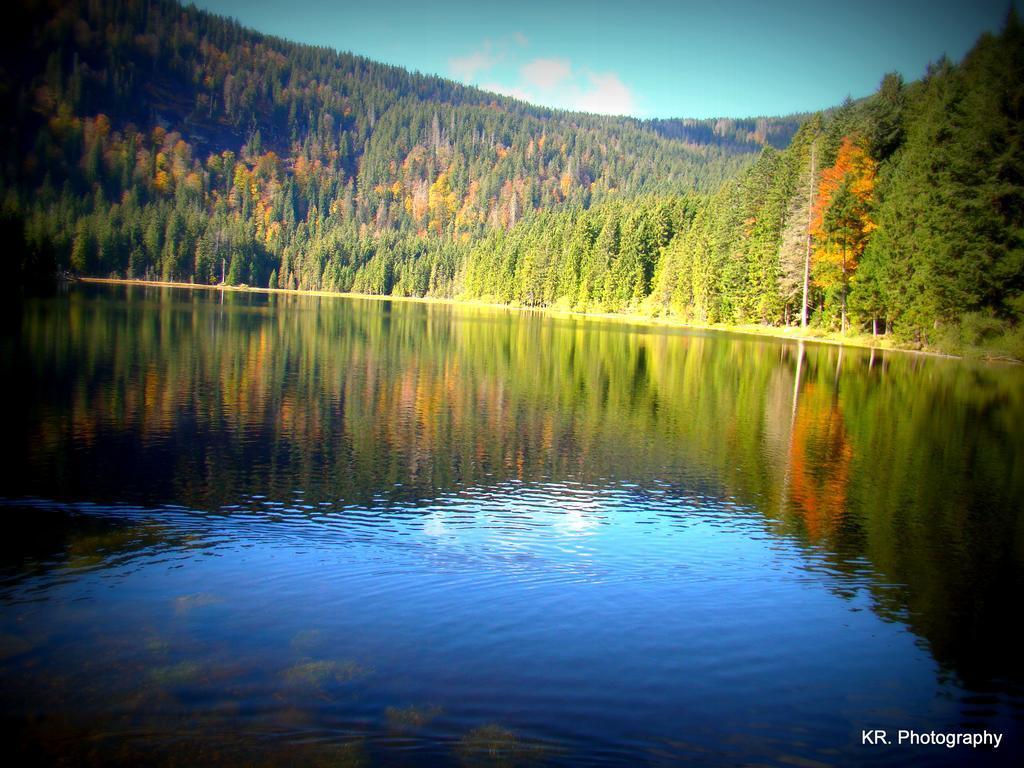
[552, 81]
[606, 94]
[602, 93]
[481, 60]
[515, 91]
[546, 74]
[486, 57]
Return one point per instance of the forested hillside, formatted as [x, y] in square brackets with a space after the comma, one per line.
[902, 214]
[143, 139]
[151, 139]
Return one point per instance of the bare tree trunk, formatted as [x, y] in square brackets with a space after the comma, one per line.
[807, 253]
[792, 423]
[842, 324]
[796, 384]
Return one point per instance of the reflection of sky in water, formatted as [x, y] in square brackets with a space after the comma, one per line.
[586, 617]
[317, 521]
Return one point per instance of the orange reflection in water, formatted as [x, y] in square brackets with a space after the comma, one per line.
[820, 458]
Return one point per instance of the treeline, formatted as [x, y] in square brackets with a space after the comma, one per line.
[902, 214]
[129, 98]
[155, 141]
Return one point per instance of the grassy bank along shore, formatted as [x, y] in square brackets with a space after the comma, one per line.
[793, 333]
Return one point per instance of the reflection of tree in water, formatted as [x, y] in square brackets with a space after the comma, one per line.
[820, 458]
[913, 465]
[921, 485]
[49, 541]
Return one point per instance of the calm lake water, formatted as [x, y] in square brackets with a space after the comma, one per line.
[253, 529]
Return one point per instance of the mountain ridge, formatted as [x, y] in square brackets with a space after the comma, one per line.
[151, 140]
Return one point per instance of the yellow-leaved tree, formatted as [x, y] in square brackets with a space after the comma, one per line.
[842, 219]
[441, 202]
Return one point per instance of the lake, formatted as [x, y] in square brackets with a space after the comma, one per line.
[261, 529]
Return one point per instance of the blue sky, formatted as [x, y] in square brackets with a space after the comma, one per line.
[647, 59]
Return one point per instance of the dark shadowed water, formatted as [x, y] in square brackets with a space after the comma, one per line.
[250, 529]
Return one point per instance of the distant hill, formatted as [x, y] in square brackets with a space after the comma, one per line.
[147, 139]
[217, 84]
[744, 135]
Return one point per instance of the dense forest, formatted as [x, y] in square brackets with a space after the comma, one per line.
[148, 140]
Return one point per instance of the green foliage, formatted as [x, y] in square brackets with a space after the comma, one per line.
[178, 145]
[951, 212]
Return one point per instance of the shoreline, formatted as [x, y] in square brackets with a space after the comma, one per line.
[790, 333]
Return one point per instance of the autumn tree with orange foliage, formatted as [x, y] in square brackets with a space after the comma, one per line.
[842, 220]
